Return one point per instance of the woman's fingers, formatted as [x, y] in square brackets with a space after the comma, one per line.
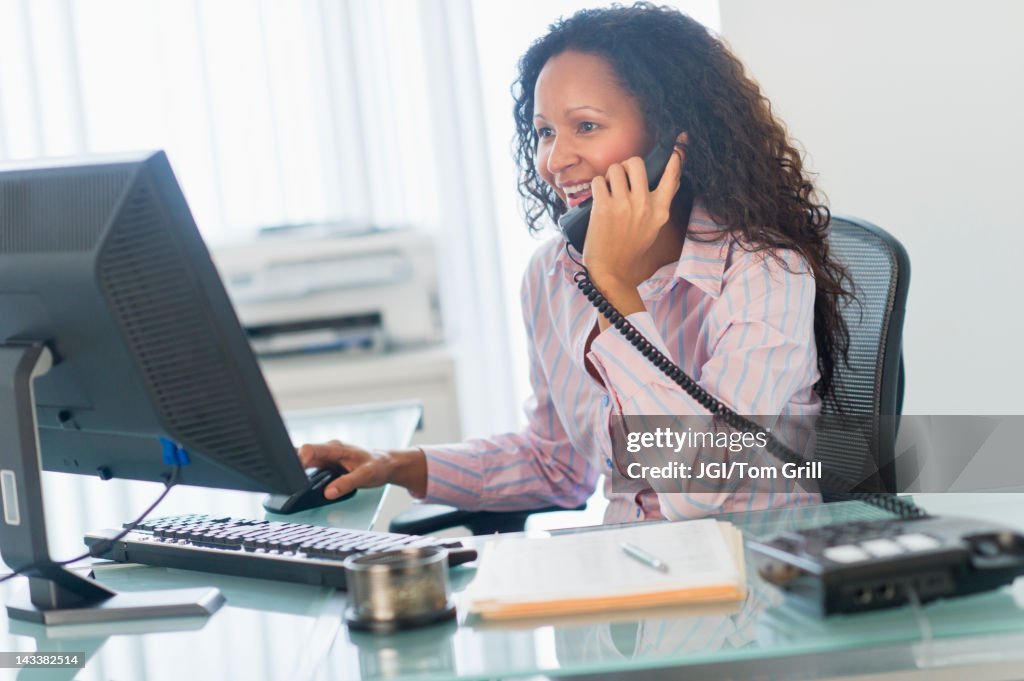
[652, 206]
[346, 483]
[670, 179]
[315, 455]
[673, 175]
[599, 190]
[636, 173]
[325, 454]
[618, 183]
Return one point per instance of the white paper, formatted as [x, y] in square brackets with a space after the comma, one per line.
[592, 564]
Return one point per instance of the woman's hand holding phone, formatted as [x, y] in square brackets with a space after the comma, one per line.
[625, 221]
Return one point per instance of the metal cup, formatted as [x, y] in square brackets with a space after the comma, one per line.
[401, 589]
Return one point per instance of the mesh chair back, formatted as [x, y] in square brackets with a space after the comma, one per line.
[869, 392]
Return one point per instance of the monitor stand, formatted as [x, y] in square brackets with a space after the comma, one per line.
[55, 594]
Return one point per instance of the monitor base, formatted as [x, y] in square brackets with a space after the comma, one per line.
[132, 605]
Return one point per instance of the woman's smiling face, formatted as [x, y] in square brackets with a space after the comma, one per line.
[585, 121]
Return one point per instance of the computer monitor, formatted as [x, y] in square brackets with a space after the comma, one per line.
[104, 275]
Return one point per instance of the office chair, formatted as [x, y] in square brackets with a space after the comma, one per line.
[869, 390]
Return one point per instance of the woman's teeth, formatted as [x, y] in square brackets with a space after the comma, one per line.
[575, 194]
[578, 198]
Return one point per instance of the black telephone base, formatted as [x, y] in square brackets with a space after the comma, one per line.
[862, 566]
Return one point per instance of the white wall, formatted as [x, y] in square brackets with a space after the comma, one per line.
[912, 114]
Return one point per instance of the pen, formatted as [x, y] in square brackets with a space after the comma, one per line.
[647, 559]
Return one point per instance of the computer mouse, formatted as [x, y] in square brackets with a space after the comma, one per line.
[310, 497]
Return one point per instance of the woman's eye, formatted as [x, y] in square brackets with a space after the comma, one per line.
[587, 126]
[545, 132]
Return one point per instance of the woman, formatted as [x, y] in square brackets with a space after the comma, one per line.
[723, 267]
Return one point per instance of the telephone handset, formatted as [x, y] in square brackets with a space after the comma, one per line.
[574, 228]
[576, 220]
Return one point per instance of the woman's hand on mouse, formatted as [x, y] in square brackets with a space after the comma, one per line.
[367, 468]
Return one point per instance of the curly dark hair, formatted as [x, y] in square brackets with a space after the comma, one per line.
[739, 160]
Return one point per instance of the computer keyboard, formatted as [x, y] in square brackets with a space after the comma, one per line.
[288, 552]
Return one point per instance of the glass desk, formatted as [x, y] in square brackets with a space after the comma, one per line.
[266, 630]
[760, 638]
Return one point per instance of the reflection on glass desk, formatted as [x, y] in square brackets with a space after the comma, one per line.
[269, 630]
[266, 630]
[759, 638]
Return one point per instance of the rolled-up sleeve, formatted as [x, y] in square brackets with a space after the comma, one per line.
[532, 468]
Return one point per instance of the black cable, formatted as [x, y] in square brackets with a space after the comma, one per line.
[716, 408]
[101, 547]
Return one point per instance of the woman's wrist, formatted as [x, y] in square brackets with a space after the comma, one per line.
[408, 468]
[622, 296]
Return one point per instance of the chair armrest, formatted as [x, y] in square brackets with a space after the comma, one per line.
[427, 518]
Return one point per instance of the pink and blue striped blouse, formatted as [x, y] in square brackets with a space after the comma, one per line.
[740, 323]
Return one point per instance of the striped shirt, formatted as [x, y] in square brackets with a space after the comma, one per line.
[740, 323]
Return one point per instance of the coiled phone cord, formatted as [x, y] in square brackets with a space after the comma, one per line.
[888, 502]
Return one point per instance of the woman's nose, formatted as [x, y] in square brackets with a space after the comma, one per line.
[563, 155]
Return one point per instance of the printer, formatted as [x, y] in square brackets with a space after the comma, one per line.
[319, 287]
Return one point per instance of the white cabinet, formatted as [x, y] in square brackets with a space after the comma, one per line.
[336, 379]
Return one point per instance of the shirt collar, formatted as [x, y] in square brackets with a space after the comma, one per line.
[705, 251]
[701, 261]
